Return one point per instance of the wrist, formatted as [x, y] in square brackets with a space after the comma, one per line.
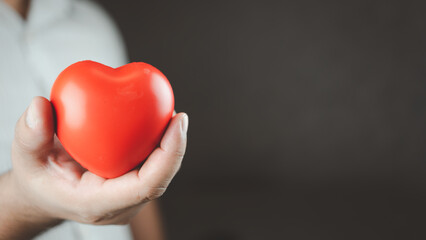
[19, 212]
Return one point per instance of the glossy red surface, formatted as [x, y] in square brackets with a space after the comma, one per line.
[109, 120]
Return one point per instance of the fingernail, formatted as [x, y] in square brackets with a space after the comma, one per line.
[184, 123]
[32, 119]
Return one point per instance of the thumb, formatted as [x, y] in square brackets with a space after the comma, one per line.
[34, 130]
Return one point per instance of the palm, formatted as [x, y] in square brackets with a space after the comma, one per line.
[61, 188]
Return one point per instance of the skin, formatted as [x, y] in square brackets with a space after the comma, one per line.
[46, 186]
[22, 211]
[20, 6]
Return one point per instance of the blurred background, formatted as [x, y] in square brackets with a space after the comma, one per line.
[307, 118]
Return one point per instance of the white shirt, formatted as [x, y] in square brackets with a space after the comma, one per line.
[33, 52]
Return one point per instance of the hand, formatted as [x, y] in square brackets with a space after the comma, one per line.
[53, 186]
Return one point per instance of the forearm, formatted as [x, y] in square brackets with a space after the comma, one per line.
[147, 224]
[18, 218]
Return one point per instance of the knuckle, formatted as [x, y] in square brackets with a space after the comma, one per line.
[178, 167]
[180, 153]
[89, 217]
[95, 219]
[141, 198]
[155, 193]
[20, 143]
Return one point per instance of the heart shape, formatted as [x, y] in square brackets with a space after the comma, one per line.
[109, 120]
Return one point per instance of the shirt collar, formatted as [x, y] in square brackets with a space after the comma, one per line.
[41, 13]
[9, 19]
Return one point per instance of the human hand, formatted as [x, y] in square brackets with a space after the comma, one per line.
[53, 186]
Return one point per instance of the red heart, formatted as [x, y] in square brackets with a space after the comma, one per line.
[109, 120]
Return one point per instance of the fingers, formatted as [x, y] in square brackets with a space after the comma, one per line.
[34, 130]
[157, 171]
[165, 161]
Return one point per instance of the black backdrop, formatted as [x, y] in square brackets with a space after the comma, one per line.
[307, 118]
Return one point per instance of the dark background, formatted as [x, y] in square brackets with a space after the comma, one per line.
[307, 118]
